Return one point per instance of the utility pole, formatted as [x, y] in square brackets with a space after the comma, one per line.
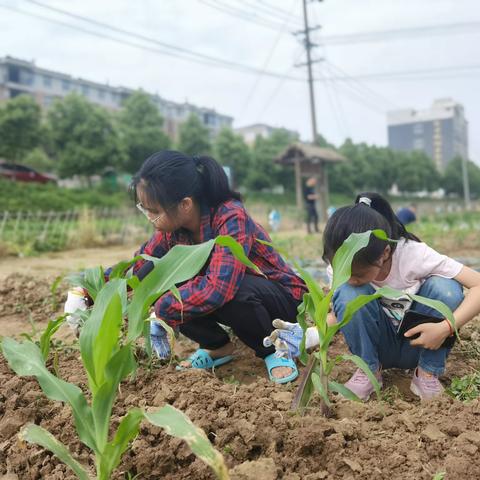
[322, 180]
[466, 183]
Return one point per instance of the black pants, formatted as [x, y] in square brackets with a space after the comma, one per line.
[312, 217]
[250, 313]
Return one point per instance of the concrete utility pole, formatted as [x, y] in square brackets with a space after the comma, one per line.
[322, 181]
[466, 183]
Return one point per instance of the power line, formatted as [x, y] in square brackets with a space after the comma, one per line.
[394, 34]
[278, 15]
[360, 85]
[278, 87]
[241, 14]
[424, 73]
[266, 62]
[178, 52]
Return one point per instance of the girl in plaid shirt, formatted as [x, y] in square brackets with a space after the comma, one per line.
[188, 201]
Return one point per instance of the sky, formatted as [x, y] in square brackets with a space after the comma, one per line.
[262, 38]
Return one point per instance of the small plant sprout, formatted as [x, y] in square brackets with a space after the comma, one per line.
[106, 348]
[316, 304]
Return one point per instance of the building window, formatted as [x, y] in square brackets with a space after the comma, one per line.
[47, 81]
[418, 144]
[101, 94]
[84, 89]
[26, 77]
[418, 129]
[66, 85]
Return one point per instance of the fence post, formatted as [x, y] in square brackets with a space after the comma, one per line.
[4, 222]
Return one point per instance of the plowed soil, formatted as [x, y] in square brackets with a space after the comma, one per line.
[245, 416]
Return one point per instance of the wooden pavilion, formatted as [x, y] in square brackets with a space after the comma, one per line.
[310, 161]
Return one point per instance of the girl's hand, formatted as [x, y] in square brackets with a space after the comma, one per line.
[432, 335]
[285, 338]
[159, 339]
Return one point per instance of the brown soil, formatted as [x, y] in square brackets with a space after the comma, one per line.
[246, 417]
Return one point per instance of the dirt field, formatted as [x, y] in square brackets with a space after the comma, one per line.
[246, 417]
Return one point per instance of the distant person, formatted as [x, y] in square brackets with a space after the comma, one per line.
[274, 219]
[408, 214]
[310, 203]
[188, 201]
[406, 264]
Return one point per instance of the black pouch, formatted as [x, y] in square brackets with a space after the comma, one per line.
[411, 319]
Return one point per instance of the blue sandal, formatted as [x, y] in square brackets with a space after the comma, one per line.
[202, 360]
[272, 361]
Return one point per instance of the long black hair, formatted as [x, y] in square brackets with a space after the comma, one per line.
[168, 176]
[370, 212]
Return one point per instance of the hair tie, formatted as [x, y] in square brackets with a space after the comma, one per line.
[367, 201]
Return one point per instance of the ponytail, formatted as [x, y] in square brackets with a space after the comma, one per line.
[378, 203]
[370, 212]
[215, 187]
[168, 176]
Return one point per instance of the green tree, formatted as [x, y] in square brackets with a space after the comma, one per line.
[264, 172]
[194, 137]
[84, 138]
[20, 127]
[39, 160]
[232, 151]
[141, 130]
[416, 172]
[452, 180]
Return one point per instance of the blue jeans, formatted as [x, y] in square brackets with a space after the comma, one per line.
[372, 336]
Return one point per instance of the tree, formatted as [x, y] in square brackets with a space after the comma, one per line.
[416, 172]
[264, 172]
[141, 130]
[84, 138]
[452, 180]
[20, 127]
[232, 151]
[39, 160]
[194, 137]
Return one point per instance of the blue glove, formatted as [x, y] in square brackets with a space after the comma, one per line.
[286, 338]
[160, 341]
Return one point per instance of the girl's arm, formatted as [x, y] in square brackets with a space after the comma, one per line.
[432, 335]
[470, 307]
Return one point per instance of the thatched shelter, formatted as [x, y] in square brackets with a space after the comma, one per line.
[309, 161]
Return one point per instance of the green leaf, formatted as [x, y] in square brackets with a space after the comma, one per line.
[360, 363]
[99, 335]
[52, 327]
[180, 264]
[118, 271]
[439, 307]
[179, 425]
[342, 261]
[38, 435]
[342, 390]
[317, 383]
[126, 432]
[121, 364]
[237, 251]
[91, 279]
[26, 360]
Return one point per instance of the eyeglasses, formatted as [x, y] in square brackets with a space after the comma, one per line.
[147, 213]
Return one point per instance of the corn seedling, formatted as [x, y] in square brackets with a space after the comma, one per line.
[315, 305]
[106, 349]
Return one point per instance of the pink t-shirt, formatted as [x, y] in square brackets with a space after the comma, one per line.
[412, 263]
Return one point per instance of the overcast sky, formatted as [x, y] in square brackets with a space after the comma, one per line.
[356, 109]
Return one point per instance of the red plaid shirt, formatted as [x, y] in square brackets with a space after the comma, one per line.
[219, 281]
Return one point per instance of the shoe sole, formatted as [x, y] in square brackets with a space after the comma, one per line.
[415, 391]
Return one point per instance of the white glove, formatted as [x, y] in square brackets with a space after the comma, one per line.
[75, 301]
[159, 339]
[287, 338]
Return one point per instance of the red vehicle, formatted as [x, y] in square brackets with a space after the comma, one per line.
[21, 173]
